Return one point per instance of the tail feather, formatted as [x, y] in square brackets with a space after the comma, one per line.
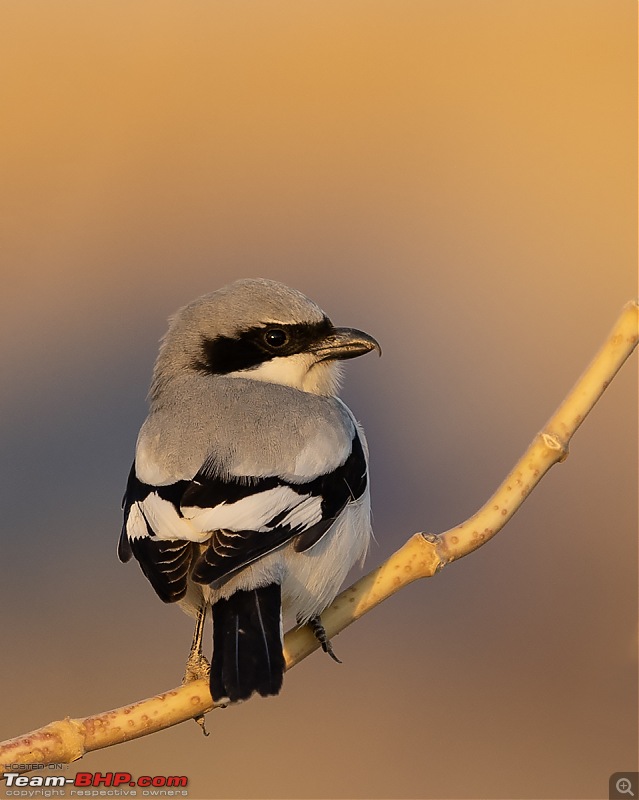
[247, 644]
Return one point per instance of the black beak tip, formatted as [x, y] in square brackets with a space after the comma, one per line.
[350, 343]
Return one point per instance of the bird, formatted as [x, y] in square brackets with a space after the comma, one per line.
[249, 492]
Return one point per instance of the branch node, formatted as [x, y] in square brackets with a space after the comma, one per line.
[441, 549]
[554, 443]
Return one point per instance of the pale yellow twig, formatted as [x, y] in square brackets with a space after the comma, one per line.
[422, 555]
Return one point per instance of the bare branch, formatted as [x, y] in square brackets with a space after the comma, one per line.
[422, 556]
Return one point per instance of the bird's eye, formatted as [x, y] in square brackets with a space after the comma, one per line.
[276, 337]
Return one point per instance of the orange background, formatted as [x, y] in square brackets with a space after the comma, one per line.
[456, 177]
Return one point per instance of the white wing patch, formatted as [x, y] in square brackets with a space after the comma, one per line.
[136, 524]
[305, 514]
[167, 523]
[253, 513]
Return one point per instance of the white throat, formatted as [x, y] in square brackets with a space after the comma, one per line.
[301, 371]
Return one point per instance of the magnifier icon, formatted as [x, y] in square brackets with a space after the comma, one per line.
[624, 786]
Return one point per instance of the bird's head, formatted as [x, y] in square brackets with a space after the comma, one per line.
[260, 330]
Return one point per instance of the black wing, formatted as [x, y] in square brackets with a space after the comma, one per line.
[165, 562]
[230, 551]
[306, 512]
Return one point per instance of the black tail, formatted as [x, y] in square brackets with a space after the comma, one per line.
[247, 644]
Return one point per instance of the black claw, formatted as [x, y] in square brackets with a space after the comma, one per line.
[201, 722]
[315, 624]
[327, 648]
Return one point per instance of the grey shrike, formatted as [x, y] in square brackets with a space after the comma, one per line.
[249, 490]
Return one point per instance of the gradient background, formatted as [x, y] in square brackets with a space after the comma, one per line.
[456, 177]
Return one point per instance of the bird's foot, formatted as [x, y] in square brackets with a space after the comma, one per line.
[315, 624]
[197, 668]
[202, 723]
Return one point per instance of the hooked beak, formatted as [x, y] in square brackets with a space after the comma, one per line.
[345, 343]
